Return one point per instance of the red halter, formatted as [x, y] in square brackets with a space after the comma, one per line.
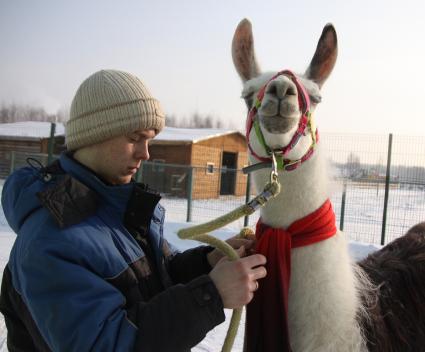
[305, 121]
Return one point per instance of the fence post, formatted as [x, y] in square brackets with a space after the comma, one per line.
[51, 142]
[247, 197]
[12, 161]
[189, 194]
[387, 188]
[344, 194]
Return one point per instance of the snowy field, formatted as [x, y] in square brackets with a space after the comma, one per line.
[215, 338]
[362, 218]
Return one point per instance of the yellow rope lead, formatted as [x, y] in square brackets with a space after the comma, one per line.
[199, 233]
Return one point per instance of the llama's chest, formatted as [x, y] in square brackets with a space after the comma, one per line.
[322, 298]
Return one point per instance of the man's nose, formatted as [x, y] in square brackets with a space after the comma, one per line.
[142, 151]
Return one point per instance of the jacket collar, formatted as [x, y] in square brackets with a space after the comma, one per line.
[116, 196]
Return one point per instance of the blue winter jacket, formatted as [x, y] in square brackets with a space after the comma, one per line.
[78, 278]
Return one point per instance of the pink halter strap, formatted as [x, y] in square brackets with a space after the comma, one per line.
[304, 104]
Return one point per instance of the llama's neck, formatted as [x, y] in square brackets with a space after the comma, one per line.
[324, 291]
[303, 190]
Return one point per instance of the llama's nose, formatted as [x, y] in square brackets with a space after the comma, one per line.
[281, 88]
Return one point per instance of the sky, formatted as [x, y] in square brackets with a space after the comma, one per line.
[182, 51]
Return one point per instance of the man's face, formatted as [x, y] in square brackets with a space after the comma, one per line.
[118, 159]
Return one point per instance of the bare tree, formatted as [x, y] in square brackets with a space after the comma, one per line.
[353, 165]
[16, 112]
[194, 121]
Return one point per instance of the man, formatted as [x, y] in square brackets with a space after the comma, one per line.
[90, 269]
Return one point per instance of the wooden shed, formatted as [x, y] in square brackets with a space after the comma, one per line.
[20, 140]
[208, 159]
[204, 162]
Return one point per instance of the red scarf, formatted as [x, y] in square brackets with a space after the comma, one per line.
[266, 327]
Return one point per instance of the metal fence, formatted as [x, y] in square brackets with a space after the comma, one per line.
[378, 187]
[380, 184]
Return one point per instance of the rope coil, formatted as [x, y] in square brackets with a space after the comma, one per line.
[200, 233]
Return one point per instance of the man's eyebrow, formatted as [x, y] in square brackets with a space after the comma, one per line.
[145, 134]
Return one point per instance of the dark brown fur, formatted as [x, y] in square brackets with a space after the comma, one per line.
[398, 270]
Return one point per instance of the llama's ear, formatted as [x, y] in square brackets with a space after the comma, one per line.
[243, 51]
[325, 56]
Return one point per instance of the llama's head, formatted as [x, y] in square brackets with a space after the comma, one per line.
[281, 109]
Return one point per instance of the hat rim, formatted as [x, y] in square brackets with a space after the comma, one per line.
[117, 120]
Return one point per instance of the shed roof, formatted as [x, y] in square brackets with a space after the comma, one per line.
[39, 130]
[190, 135]
[30, 130]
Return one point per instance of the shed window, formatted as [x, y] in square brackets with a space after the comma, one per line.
[210, 168]
[177, 182]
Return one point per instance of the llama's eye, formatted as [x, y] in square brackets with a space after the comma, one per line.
[249, 99]
[247, 96]
[249, 102]
[315, 99]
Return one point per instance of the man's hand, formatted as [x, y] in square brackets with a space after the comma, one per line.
[237, 242]
[236, 280]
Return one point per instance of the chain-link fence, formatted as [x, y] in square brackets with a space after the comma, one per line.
[378, 186]
[21, 159]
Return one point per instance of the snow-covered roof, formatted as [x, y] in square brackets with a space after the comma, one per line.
[30, 130]
[38, 130]
[190, 135]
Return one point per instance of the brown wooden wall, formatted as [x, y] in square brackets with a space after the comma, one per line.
[58, 147]
[211, 150]
[23, 148]
[170, 180]
[198, 155]
[19, 146]
[230, 143]
[172, 154]
[206, 185]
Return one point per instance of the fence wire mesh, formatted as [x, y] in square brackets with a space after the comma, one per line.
[358, 169]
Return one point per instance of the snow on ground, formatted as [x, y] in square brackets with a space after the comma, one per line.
[363, 210]
[215, 338]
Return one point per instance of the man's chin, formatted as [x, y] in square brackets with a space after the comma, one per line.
[124, 179]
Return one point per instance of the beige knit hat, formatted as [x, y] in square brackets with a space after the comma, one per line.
[111, 103]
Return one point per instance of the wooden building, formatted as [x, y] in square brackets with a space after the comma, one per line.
[209, 159]
[182, 160]
[20, 140]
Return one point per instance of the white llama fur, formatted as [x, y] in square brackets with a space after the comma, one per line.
[326, 286]
[324, 300]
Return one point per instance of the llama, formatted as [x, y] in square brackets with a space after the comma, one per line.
[333, 303]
